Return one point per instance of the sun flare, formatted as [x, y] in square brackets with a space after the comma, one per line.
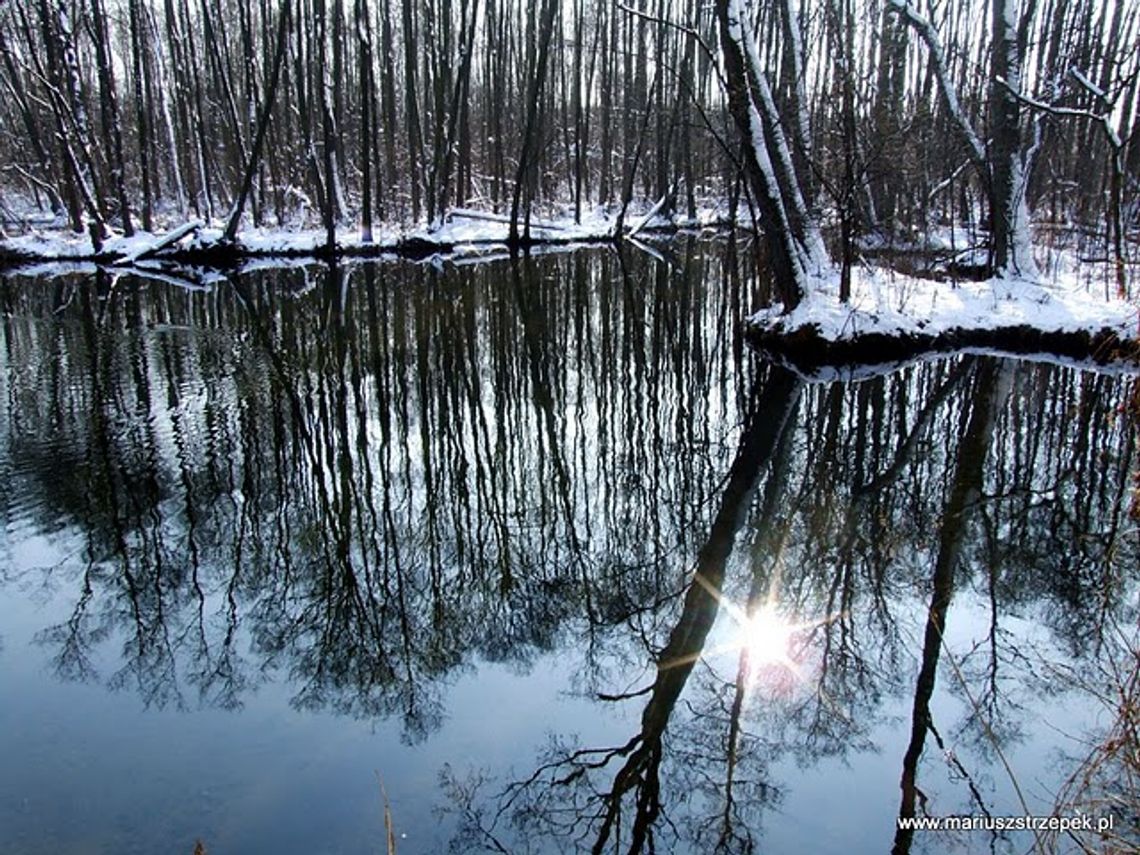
[767, 637]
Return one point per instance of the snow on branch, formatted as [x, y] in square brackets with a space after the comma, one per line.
[169, 239]
[1088, 84]
[772, 152]
[1074, 112]
[927, 33]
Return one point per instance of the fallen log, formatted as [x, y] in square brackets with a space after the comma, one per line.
[487, 216]
[168, 239]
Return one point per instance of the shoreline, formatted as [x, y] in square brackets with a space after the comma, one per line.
[889, 319]
[465, 233]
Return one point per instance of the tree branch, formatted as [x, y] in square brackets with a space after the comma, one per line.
[689, 31]
[1073, 112]
[927, 33]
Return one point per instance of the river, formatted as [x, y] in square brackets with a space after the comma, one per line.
[298, 558]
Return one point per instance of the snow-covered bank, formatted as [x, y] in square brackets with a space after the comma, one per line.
[1067, 311]
[465, 233]
[892, 317]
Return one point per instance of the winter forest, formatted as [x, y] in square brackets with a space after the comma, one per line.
[870, 119]
[571, 425]
[487, 426]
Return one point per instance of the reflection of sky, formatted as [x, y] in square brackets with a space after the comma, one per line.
[849, 803]
[86, 769]
[88, 765]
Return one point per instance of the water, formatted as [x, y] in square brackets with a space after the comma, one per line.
[284, 548]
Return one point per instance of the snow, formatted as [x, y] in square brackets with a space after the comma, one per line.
[465, 232]
[1070, 295]
[939, 248]
[62, 244]
[803, 123]
[769, 145]
[884, 302]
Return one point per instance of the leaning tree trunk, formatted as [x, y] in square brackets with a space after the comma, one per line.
[262, 123]
[794, 245]
[1003, 164]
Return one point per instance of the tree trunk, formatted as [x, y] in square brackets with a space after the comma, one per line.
[525, 174]
[142, 112]
[109, 109]
[794, 244]
[367, 87]
[263, 122]
[1009, 208]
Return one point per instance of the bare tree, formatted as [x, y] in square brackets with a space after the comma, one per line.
[793, 238]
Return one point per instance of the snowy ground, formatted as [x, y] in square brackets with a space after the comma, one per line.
[464, 233]
[1069, 296]
[887, 303]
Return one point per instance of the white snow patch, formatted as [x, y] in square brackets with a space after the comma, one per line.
[884, 302]
[460, 235]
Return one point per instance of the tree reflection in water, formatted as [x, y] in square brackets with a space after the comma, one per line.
[953, 475]
[372, 473]
[369, 479]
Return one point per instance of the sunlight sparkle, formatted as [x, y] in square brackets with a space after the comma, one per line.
[767, 637]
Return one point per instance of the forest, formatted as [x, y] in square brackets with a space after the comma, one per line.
[837, 124]
[578, 425]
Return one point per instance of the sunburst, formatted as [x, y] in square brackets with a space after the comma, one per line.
[767, 636]
[764, 633]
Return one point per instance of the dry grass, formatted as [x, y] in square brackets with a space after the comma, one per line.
[1107, 781]
[389, 827]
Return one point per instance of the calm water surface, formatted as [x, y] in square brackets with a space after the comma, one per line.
[283, 548]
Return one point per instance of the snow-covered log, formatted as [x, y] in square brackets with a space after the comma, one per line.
[644, 221]
[487, 216]
[168, 239]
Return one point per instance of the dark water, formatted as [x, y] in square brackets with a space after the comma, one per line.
[280, 549]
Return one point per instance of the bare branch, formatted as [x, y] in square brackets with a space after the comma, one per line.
[927, 33]
[1073, 112]
[681, 28]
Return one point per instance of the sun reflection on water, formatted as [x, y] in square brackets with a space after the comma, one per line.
[770, 641]
[767, 637]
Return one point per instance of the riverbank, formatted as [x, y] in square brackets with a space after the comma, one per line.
[1070, 310]
[465, 233]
